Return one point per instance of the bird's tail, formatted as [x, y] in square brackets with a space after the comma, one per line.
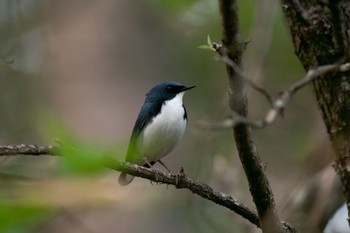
[125, 179]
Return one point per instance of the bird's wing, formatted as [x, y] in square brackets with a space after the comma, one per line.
[148, 111]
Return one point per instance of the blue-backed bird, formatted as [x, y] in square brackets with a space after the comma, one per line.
[159, 127]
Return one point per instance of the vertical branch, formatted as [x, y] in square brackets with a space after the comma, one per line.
[258, 183]
[232, 42]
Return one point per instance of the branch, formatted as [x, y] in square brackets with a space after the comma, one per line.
[258, 183]
[179, 180]
[221, 50]
[281, 103]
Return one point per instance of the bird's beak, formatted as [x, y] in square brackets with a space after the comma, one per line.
[188, 88]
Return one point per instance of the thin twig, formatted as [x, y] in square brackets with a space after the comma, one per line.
[225, 58]
[23, 149]
[279, 104]
[179, 180]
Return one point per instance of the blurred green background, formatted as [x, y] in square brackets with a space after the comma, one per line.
[78, 71]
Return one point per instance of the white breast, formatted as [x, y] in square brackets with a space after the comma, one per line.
[165, 131]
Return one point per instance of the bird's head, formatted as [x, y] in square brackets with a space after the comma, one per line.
[166, 91]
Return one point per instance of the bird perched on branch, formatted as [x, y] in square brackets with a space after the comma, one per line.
[159, 127]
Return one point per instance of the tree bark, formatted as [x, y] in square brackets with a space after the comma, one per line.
[320, 33]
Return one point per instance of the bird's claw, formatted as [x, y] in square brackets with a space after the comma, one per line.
[178, 175]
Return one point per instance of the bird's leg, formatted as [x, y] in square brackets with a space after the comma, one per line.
[148, 163]
[177, 174]
[163, 164]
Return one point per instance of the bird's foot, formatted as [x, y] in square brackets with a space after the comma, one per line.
[178, 175]
[165, 166]
[157, 178]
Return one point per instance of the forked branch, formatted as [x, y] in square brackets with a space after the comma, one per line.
[278, 106]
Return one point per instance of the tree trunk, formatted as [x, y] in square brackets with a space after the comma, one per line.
[320, 32]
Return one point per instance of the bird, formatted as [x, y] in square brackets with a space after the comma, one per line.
[159, 127]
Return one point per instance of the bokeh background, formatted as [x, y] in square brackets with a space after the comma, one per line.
[77, 72]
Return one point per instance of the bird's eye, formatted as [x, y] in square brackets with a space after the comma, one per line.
[172, 90]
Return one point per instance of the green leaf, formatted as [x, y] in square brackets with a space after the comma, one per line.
[209, 42]
[208, 46]
[205, 47]
[18, 218]
[79, 159]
